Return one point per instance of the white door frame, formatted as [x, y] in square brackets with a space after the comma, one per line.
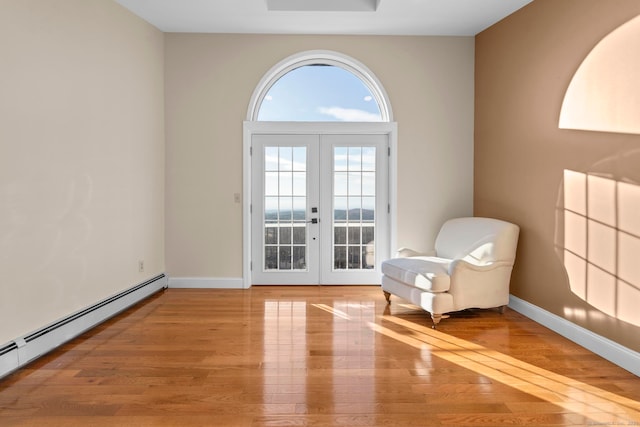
[345, 128]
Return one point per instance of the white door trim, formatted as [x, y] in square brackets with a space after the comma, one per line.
[250, 128]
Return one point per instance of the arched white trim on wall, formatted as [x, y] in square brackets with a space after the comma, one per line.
[325, 57]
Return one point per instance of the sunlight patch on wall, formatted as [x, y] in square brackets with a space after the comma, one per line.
[600, 242]
[604, 93]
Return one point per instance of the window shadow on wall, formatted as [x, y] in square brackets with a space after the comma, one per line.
[598, 240]
[597, 220]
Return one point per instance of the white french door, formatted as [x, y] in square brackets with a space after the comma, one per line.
[285, 237]
[319, 208]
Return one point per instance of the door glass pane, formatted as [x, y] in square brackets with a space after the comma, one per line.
[339, 208]
[271, 209]
[355, 206]
[354, 258]
[355, 183]
[271, 183]
[340, 159]
[286, 184]
[271, 235]
[300, 158]
[286, 158]
[271, 257]
[368, 159]
[339, 235]
[285, 257]
[368, 183]
[354, 201]
[355, 159]
[299, 184]
[368, 209]
[271, 159]
[354, 235]
[340, 184]
[285, 235]
[285, 209]
[299, 209]
[339, 257]
[299, 234]
[299, 260]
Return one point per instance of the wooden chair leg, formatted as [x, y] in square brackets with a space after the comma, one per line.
[387, 296]
[437, 318]
[502, 309]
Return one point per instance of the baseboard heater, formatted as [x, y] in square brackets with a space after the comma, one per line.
[23, 350]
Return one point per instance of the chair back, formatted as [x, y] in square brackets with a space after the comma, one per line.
[480, 241]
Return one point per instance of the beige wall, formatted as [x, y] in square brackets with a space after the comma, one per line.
[209, 82]
[81, 157]
[524, 65]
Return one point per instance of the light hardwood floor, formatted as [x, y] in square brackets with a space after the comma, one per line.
[316, 356]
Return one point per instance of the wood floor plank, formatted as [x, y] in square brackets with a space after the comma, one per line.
[315, 356]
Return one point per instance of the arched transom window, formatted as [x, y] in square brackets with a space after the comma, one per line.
[319, 86]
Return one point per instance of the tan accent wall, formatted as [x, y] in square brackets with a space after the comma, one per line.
[524, 65]
[209, 82]
[81, 157]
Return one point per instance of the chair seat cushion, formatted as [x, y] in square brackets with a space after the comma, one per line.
[427, 273]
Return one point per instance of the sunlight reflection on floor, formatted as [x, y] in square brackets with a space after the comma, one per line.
[602, 407]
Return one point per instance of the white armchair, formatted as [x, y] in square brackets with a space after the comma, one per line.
[470, 267]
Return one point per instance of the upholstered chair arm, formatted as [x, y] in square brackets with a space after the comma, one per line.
[406, 253]
[460, 264]
[479, 286]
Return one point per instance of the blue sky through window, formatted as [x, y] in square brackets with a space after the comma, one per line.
[319, 93]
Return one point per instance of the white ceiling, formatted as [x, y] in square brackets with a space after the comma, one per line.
[392, 17]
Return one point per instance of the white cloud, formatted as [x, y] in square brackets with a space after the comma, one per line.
[268, 98]
[368, 98]
[349, 114]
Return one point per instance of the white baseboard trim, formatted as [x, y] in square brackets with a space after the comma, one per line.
[604, 347]
[25, 349]
[206, 282]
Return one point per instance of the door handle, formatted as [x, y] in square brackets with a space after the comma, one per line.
[313, 220]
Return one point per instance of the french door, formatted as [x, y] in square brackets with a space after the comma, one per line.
[319, 208]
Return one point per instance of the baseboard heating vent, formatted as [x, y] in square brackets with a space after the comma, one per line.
[25, 349]
[9, 347]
